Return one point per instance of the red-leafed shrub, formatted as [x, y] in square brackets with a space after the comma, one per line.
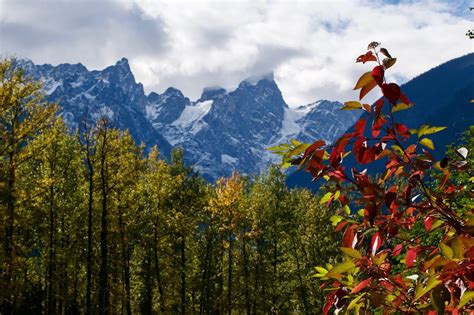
[407, 249]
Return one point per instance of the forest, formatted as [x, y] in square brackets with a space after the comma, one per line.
[94, 223]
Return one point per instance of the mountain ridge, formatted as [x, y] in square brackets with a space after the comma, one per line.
[220, 132]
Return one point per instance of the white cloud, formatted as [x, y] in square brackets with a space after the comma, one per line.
[310, 45]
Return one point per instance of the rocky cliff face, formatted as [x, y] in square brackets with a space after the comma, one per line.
[220, 132]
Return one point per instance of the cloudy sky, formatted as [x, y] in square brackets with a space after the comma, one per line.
[310, 46]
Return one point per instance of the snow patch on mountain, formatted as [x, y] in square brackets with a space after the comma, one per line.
[291, 125]
[191, 117]
[151, 112]
[104, 111]
[228, 159]
[50, 86]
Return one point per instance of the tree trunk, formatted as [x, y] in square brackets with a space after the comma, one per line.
[183, 276]
[103, 276]
[229, 274]
[257, 276]
[9, 221]
[275, 274]
[204, 300]
[51, 304]
[148, 294]
[158, 275]
[89, 231]
[300, 279]
[246, 275]
[126, 263]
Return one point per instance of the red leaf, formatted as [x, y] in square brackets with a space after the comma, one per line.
[399, 280]
[404, 99]
[394, 207]
[359, 150]
[348, 237]
[359, 127]
[329, 302]
[335, 158]
[318, 156]
[407, 194]
[445, 180]
[393, 163]
[362, 285]
[366, 89]
[402, 130]
[428, 222]
[316, 145]
[338, 174]
[377, 125]
[470, 252]
[410, 151]
[416, 176]
[338, 151]
[375, 243]
[410, 257]
[387, 285]
[369, 56]
[343, 199]
[378, 106]
[316, 170]
[452, 309]
[390, 196]
[371, 212]
[378, 148]
[369, 155]
[450, 189]
[397, 250]
[428, 155]
[340, 226]
[342, 142]
[328, 203]
[377, 74]
[385, 52]
[392, 92]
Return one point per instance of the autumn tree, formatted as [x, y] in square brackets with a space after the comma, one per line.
[24, 115]
[50, 190]
[226, 207]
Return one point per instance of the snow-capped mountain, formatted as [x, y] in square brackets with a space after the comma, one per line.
[220, 132]
[88, 95]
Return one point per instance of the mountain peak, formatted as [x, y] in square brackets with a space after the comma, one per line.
[121, 66]
[121, 74]
[122, 63]
[209, 93]
[153, 97]
[24, 63]
[254, 80]
[173, 91]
